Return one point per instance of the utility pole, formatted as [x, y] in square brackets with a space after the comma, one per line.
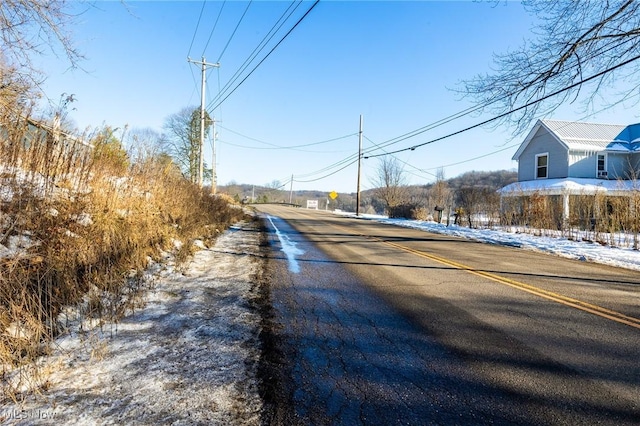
[214, 175]
[291, 191]
[359, 160]
[202, 113]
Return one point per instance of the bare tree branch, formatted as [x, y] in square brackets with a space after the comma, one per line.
[575, 40]
[31, 27]
[390, 183]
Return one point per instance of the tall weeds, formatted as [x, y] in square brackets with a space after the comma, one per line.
[78, 224]
[599, 218]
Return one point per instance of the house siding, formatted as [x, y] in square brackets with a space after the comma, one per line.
[618, 166]
[558, 157]
[635, 162]
[582, 164]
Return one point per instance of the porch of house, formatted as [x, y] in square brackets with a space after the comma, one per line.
[572, 202]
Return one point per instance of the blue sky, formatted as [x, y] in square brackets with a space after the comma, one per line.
[396, 63]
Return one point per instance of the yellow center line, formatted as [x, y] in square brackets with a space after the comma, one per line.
[567, 301]
[549, 295]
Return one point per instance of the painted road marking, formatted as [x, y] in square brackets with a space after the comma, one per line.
[290, 248]
[549, 295]
[556, 297]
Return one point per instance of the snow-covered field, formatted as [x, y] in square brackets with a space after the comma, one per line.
[189, 356]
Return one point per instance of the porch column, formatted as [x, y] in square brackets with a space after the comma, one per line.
[565, 209]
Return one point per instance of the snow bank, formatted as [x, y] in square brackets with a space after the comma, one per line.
[189, 356]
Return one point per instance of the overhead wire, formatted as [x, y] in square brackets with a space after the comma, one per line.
[225, 142]
[605, 49]
[352, 159]
[256, 51]
[422, 130]
[215, 24]
[204, 2]
[428, 127]
[403, 162]
[268, 54]
[197, 26]
[325, 176]
[519, 143]
[408, 134]
[349, 159]
[511, 111]
[234, 31]
[293, 147]
[476, 158]
[496, 151]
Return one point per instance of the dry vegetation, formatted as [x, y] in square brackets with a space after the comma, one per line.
[83, 221]
[602, 219]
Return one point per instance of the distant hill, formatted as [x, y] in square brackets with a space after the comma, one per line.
[493, 180]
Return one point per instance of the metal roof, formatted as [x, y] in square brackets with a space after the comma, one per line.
[581, 136]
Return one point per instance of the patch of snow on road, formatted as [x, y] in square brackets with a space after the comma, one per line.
[289, 248]
[189, 356]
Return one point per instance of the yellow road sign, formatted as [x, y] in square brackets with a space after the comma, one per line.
[333, 195]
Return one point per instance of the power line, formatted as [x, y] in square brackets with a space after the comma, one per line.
[557, 92]
[191, 46]
[214, 27]
[237, 145]
[197, 26]
[476, 158]
[268, 54]
[327, 175]
[428, 127]
[275, 146]
[351, 158]
[492, 152]
[470, 110]
[267, 38]
[234, 31]
[404, 162]
[519, 143]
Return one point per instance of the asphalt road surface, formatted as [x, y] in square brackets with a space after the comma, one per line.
[386, 325]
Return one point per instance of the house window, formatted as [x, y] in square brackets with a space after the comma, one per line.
[602, 163]
[542, 166]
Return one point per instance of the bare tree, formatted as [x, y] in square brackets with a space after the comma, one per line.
[440, 194]
[14, 93]
[390, 183]
[273, 191]
[582, 46]
[182, 141]
[142, 143]
[32, 27]
[470, 201]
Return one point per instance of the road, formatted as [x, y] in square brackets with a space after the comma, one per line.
[388, 325]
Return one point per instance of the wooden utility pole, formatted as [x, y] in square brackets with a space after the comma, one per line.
[214, 175]
[359, 160]
[291, 191]
[202, 114]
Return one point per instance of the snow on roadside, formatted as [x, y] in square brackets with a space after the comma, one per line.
[621, 257]
[189, 356]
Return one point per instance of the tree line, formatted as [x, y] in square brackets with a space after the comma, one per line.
[465, 197]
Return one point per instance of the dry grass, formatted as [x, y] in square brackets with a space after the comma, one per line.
[601, 219]
[85, 222]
